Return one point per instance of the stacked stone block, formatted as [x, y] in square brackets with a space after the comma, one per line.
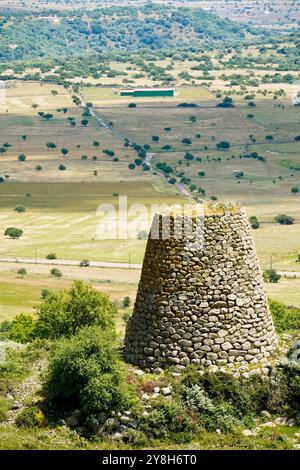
[200, 301]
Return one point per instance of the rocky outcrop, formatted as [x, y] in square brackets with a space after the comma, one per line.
[202, 301]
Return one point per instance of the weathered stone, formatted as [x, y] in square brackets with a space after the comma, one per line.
[226, 346]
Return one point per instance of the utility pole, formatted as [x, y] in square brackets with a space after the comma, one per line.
[129, 260]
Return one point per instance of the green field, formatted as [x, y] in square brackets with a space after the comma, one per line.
[22, 295]
[61, 206]
[62, 218]
[100, 95]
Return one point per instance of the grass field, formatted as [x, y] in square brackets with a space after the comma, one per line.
[103, 96]
[62, 218]
[286, 291]
[28, 134]
[22, 295]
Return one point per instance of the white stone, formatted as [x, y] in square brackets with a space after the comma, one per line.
[166, 390]
[226, 346]
[247, 432]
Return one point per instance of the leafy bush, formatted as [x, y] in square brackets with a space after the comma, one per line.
[5, 406]
[285, 318]
[56, 273]
[165, 417]
[220, 401]
[14, 368]
[22, 329]
[135, 438]
[196, 399]
[85, 371]
[63, 313]
[4, 329]
[20, 209]
[22, 272]
[51, 256]
[221, 388]
[31, 417]
[126, 302]
[284, 219]
[220, 417]
[13, 232]
[285, 390]
[254, 222]
[272, 276]
[44, 293]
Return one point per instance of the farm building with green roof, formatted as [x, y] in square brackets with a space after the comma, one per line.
[151, 92]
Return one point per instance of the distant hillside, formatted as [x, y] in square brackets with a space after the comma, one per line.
[51, 34]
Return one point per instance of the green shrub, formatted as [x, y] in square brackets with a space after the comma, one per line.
[254, 222]
[5, 406]
[22, 329]
[167, 417]
[126, 302]
[31, 417]
[13, 232]
[285, 318]
[285, 390]
[85, 370]
[284, 219]
[63, 313]
[5, 327]
[270, 275]
[221, 417]
[56, 273]
[220, 388]
[135, 438]
[13, 369]
[44, 293]
[196, 399]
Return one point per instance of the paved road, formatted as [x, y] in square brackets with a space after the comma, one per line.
[102, 264]
[289, 273]
[68, 262]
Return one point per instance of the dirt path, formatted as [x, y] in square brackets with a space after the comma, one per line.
[102, 123]
[25, 390]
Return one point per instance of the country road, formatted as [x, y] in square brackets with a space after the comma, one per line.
[102, 264]
[69, 262]
[102, 123]
[289, 274]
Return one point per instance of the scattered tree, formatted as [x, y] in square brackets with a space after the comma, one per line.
[22, 272]
[284, 219]
[13, 232]
[20, 209]
[254, 222]
[51, 256]
[270, 275]
[126, 302]
[56, 273]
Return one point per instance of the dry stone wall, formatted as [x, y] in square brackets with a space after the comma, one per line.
[201, 304]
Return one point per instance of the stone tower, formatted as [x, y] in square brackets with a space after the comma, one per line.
[201, 303]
